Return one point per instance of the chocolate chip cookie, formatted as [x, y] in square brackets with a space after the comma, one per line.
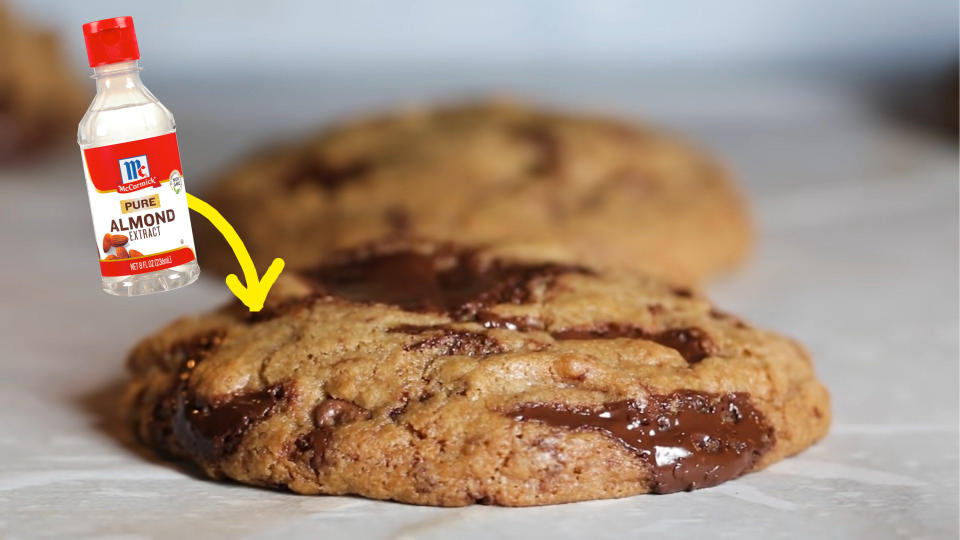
[41, 101]
[610, 192]
[437, 374]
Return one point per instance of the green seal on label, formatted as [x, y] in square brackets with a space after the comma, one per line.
[176, 181]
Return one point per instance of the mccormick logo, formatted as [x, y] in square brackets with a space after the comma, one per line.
[134, 168]
[135, 173]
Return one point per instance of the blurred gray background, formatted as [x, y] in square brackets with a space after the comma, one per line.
[238, 72]
[287, 36]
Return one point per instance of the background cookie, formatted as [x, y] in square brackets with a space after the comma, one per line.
[436, 374]
[613, 194]
[40, 98]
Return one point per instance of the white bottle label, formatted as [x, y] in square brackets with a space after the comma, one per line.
[141, 221]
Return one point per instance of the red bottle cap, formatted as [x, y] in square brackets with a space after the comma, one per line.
[110, 41]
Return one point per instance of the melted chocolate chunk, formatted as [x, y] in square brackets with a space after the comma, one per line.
[334, 412]
[185, 354]
[207, 429]
[313, 170]
[682, 292]
[459, 342]
[327, 416]
[415, 329]
[523, 324]
[689, 439]
[210, 430]
[693, 344]
[398, 411]
[452, 282]
[449, 341]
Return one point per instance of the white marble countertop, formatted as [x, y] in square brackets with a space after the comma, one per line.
[857, 257]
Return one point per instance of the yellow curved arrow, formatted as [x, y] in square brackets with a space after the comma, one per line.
[256, 290]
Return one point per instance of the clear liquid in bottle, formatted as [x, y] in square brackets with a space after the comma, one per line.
[132, 165]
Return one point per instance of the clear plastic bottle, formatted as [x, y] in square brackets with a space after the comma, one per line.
[125, 118]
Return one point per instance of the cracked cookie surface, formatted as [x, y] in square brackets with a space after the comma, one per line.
[432, 373]
[610, 192]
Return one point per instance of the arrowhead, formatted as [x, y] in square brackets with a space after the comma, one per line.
[255, 293]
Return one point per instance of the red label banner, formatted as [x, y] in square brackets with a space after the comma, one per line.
[134, 165]
[150, 263]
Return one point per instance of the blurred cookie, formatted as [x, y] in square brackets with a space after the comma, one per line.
[41, 101]
[442, 375]
[612, 193]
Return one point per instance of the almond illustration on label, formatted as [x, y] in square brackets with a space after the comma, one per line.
[135, 253]
[107, 242]
[122, 253]
[110, 257]
[118, 239]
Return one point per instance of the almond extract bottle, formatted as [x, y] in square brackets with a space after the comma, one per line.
[128, 142]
